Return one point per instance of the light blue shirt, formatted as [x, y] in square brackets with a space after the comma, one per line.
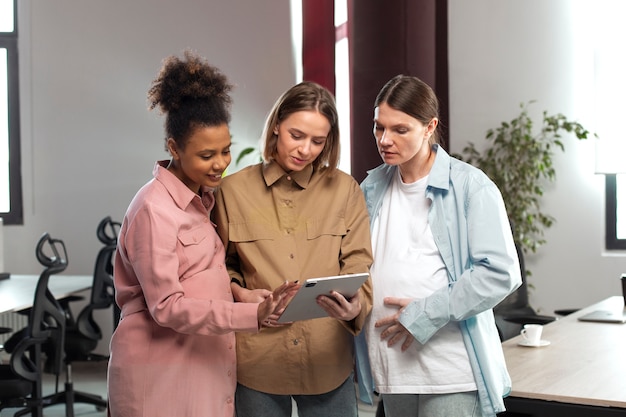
[472, 232]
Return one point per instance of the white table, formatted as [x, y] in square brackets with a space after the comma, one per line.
[17, 292]
[581, 373]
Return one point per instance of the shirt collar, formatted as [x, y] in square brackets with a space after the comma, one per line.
[181, 194]
[272, 172]
[439, 176]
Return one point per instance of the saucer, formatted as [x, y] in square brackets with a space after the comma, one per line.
[527, 344]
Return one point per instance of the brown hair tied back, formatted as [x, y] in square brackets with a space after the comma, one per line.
[412, 96]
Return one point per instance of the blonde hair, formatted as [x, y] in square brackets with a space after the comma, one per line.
[304, 96]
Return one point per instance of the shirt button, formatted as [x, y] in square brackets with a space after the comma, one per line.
[229, 401]
[291, 255]
[206, 220]
[295, 341]
[230, 373]
[288, 177]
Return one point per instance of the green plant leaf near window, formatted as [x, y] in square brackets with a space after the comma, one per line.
[520, 161]
[244, 152]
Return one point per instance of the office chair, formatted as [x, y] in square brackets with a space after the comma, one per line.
[515, 310]
[107, 233]
[21, 379]
[82, 335]
[4, 330]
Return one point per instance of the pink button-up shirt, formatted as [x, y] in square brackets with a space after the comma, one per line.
[173, 352]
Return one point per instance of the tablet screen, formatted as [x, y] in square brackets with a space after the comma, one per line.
[303, 305]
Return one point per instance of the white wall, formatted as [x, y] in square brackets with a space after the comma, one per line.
[88, 139]
[503, 53]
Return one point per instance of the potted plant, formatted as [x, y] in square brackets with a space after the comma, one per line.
[520, 162]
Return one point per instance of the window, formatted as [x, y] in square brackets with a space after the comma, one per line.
[342, 77]
[10, 170]
[616, 205]
[309, 18]
[598, 35]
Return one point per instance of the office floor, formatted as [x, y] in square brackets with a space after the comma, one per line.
[88, 377]
[91, 377]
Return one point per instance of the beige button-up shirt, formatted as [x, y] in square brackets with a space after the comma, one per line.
[280, 226]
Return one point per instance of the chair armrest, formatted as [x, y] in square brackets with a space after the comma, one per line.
[529, 319]
[565, 311]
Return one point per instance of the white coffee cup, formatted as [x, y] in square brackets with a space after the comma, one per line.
[531, 333]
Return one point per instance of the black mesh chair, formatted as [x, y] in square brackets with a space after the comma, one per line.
[21, 379]
[4, 330]
[83, 334]
[515, 310]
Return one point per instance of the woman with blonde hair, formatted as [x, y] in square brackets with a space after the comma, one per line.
[292, 217]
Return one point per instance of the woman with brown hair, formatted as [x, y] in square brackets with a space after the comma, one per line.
[443, 258]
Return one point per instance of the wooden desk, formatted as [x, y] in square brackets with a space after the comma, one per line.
[17, 293]
[581, 373]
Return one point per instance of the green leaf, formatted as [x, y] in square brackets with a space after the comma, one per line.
[244, 153]
[521, 163]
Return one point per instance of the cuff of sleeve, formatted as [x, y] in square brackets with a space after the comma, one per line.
[416, 320]
[246, 317]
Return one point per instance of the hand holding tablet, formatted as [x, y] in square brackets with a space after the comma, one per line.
[304, 305]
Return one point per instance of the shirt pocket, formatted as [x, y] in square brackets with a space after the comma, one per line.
[249, 232]
[324, 240]
[326, 227]
[194, 248]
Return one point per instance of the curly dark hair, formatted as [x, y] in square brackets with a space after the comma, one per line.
[191, 93]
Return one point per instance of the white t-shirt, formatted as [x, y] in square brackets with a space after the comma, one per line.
[407, 264]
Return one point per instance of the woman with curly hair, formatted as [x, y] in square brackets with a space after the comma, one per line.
[173, 352]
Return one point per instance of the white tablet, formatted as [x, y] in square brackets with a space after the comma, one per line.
[303, 305]
[605, 316]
